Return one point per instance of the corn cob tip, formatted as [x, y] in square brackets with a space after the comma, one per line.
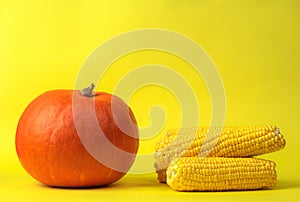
[156, 154]
[277, 131]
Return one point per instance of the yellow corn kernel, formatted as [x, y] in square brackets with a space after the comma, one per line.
[219, 174]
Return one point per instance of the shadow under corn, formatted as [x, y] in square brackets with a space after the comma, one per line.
[287, 184]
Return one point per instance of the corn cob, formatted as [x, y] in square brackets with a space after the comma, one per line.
[219, 174]
[161, 173]
[218, 142]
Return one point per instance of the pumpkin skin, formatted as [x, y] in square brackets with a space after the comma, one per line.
[50, 147]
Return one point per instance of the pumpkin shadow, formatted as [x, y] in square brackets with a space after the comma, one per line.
[130, 182]
[75, 188]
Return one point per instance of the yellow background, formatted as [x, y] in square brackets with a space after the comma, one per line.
[255, 45]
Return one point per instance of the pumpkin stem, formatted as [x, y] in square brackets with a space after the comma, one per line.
[88, 92]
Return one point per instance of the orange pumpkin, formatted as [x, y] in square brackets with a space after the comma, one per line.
[69, 138]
